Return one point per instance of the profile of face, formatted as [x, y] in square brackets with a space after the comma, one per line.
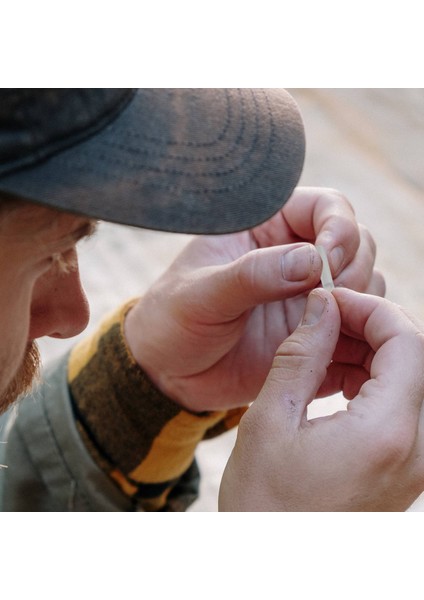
[40, 288]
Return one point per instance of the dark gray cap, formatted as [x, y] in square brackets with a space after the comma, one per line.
[184, 160]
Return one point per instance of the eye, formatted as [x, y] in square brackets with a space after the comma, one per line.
[64, 262]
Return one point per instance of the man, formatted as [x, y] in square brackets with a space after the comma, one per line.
[116, 423]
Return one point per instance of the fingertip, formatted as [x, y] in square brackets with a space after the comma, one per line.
[336, 259]
[298, 263]
[342, 295]
[341, 292]
[319, 303]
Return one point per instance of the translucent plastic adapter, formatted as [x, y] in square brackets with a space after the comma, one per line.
[326, 278]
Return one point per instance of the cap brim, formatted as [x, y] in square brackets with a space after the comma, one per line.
[189, 161]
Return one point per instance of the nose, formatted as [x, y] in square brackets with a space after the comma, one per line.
[59, 306]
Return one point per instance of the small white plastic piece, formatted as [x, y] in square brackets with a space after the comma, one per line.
[326, 278]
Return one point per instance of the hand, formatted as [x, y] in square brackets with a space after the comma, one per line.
[207, 331]
[368, 458]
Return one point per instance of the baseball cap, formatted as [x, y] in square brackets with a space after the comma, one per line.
[183, 160]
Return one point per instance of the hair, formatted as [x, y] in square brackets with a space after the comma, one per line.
[9, 202]
[12, 206]
[28, 373]
[9, 206]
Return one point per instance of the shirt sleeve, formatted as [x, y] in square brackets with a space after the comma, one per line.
[143, 440]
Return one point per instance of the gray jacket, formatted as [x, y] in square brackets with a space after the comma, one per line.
[48, 466]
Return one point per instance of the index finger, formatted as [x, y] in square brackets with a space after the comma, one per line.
[398, 342]
[325, 217]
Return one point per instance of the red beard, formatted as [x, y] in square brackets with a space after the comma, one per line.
[24, 379]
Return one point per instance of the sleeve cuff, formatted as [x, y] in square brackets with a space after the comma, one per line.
[138, 435]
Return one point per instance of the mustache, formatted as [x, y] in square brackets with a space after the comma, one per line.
[23, 381]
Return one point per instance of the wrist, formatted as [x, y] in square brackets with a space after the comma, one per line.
[145, 352]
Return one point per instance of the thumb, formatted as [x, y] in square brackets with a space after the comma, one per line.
[300, 364]
[260, 276]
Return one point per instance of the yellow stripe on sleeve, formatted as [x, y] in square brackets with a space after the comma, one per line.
[84, 351]
[173, 450]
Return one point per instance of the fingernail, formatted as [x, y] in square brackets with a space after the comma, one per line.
[297, 264]
[314, 309]
[336, 258]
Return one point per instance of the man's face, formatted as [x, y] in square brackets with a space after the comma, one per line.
[40, 289]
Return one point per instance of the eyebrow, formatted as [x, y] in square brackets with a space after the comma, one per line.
[84, 231]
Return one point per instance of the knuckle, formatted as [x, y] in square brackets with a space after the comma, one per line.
[296, 348]
[337, 198]
[296, 358]
[349, 229]
[344, 228]
[247, 270]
